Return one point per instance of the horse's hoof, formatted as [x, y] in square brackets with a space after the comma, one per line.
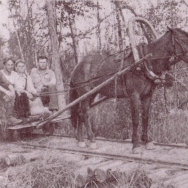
[93, 145]
[137, 150]
[82, 145]
[150, 146]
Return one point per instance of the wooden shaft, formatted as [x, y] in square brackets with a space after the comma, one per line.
[99, 101]
[131, 34]
[86, 95]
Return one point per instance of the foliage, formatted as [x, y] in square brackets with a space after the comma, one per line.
[108, 123]
[166, 14]
[49, 172]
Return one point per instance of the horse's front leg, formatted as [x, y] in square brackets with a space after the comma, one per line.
[88, 126]
[135, 104]
[146, 101]
[80, 137]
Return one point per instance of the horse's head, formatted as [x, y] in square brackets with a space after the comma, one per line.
[168, 50]
[180, 44]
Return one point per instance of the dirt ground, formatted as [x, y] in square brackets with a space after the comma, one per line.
[158, 172]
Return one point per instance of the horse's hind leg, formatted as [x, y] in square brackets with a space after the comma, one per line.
[90, 134]
[81, 142]
[135, 103]
[80, 137]
[146, 101]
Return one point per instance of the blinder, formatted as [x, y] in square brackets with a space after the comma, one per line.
[172, 60]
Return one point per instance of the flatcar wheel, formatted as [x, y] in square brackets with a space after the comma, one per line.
[48, 129]
[27, 133]
[15, 135]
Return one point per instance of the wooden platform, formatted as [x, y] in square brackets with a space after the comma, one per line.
[33, 124]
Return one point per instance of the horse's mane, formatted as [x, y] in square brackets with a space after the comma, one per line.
[178, 30]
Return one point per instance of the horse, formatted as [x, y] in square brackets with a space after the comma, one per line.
[137, 84]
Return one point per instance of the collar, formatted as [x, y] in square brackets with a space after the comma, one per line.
[7, 73]
[42, 72]
[22, 75]
[148, 68]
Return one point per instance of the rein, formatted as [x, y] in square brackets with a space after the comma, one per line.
[159, 79]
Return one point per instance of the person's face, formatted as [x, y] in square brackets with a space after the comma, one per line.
[43, 64]
[20, 68]
[9, 66]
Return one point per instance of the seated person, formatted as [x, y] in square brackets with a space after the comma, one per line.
[26, 102]
[44, 80]
[8, 70]
[8, 77]
[24, 90]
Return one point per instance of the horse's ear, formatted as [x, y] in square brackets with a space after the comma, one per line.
[169, 28]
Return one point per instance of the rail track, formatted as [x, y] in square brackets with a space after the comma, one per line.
[113, 156]
[90, 152]
[128, 141]
[116, 155]
[93, 153]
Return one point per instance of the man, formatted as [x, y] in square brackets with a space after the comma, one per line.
[7, 81]
[44, 80]
[8, 70]
[24, 90]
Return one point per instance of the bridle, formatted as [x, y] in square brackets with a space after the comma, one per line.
[148, 69]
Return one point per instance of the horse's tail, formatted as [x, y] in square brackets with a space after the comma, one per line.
[73, 95]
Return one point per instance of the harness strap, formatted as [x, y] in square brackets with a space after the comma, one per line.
[148, 69]
[147, 66]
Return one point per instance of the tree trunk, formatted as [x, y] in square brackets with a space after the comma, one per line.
[55, 51]
[74, 38]
[120, 29]
[98, 28]
[119, 26]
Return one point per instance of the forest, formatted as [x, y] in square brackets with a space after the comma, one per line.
[67, 30]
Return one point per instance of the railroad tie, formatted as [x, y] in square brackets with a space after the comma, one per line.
[179, 181]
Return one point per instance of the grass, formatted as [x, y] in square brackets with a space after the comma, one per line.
[48, 172]
[111, 123]
[112, 119]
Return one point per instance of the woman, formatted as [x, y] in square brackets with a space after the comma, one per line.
[8, 74]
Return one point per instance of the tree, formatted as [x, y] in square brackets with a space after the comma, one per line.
[55, 51]
[22, 29]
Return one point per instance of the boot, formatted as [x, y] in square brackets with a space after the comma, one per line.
[13, 121]
[9, 107]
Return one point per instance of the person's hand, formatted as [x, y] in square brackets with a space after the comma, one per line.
[10, 94]
[29, 95]
[44, 87]
[19, 93]
[36, 94]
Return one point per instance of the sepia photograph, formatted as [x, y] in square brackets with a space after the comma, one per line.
[94, 94]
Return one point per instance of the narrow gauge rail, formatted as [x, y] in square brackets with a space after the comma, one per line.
[173, 145]
[124, 157]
